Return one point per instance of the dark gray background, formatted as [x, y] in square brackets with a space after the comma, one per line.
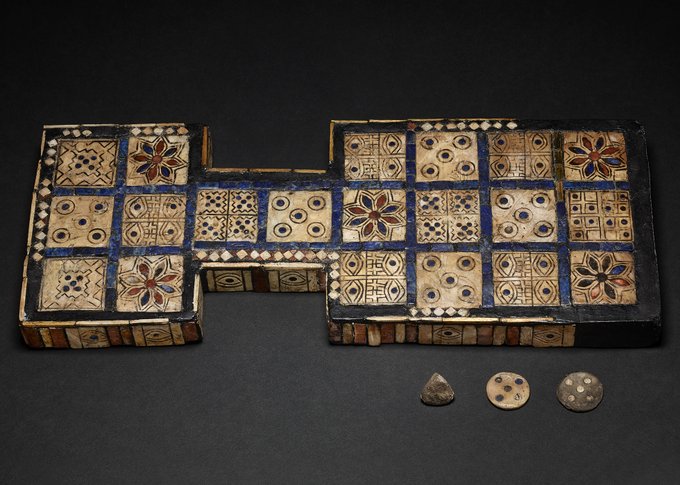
[265, 398]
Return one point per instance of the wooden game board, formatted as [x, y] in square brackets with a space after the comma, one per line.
[472, 232]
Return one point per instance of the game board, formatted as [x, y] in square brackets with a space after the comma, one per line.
[452, 231]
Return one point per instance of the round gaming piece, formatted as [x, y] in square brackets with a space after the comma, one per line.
[507, 390]
[580, 392]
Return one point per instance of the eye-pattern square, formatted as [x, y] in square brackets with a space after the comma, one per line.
[80, 221]
[153, 219]
[299, 216]
[521, 215]
[520, 155]
[375, 156]
[449, 279]
[525, 279]
[443, 156]
[372, 278]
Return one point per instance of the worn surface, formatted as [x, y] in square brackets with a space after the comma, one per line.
[437, 391]
[580, 392]
[476, 232]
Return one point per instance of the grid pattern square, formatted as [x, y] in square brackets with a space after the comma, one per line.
[447, 216]
[226, 215]
[599, 215]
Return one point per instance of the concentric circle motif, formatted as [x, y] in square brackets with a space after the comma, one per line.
[99, 207]
[316, 203]
[504, 201]
[280, 203]
[96, 236]
[449, 280]
[508, 229]
[580, 392]
[316, 229]
[282, 230]
[445, 155]
[428, 142]
[465, 168]
[462, 142]
[431, 295]
[65, 206]
[61, 235]
[507, 390]
[465, 263]
[540, 200]
[543, 229]
[430, 171]
[431, 263]
[523, 215]
[467, 294]
[298, 216]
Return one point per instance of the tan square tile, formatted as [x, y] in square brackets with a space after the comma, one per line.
[226, 215]
[375, 156]
[449, 279]
[446, 156]
[73, 284]
[158, 160]
[447, 216]
[602, 278]
[299, 216]
[80, 221]
[153, 220]
[525, 279]
[523, 215]
[599, 215]
[150, 283]
[86, 163]
[372, 278]
[374, 215]
[595, 155]
[520, 155]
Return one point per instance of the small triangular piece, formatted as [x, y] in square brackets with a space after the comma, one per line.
[437, 392]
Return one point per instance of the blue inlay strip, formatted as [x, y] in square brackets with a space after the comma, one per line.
[564, 275]
[599, 185]
[485, 220]
[262, 210]
[336, 216]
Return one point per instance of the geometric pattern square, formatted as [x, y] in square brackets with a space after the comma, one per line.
[446, 156]
[299, 216]
[86, 163]
[520, 155]
[153, 219]
[449, 279]
[158, 160]
[372, 278]
[375, 156]
[80, 221]
[521, 215]
[602, 278]
[226, 215]
[525, 279]
[599, 215]
[73, 284]
[447, 216]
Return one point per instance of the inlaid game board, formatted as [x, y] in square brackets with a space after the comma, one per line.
[454, 232]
